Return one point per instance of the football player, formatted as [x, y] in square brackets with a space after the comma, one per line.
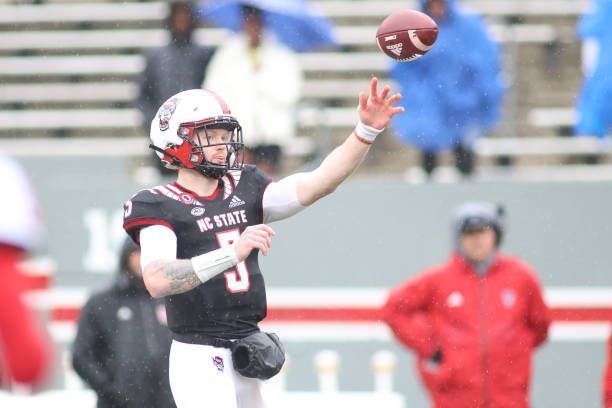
[200, 236]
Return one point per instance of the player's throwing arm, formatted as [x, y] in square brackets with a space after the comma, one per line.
[375, 111]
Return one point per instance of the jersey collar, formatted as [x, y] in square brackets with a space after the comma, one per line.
[207, 198]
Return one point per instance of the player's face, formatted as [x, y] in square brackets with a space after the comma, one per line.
[478, 245]
[214, 145]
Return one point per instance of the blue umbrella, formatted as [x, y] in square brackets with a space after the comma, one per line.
[293, 22]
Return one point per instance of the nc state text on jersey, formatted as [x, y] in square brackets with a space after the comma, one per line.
[222, 220]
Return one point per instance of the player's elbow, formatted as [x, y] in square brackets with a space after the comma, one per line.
[155, 289]
[328, 189]
[321, 191]
[156, 286]
[315, 185]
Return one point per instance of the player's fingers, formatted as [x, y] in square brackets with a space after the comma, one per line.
[261, 227]
[262, 235]
[261, 244]
[397, 109]
[385, 92]
[266, 228]
[394, 98]
[363, 100]
[374, 87]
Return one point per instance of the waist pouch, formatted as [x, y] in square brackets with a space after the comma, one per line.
[260, 355]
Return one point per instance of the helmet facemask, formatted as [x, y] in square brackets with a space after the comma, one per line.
[200, 139]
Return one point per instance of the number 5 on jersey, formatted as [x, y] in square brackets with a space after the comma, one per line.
[236, 280]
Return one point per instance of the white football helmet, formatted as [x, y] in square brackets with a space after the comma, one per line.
[176, 142]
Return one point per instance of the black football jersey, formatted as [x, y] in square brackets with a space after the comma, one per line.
[232, 303]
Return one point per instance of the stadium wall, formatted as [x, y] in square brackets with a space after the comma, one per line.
[370, 235]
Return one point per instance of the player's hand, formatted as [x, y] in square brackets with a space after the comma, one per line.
[376, 110]
[254, 237]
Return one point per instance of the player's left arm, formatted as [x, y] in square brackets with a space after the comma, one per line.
[165, 275]
[375, 111]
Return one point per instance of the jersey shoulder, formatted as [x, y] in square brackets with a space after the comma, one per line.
[145, 208]
[250, 176]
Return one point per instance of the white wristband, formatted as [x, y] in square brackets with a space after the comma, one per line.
[366, 134]
[207, 265]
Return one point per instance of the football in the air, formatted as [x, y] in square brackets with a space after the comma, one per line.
[406, 35]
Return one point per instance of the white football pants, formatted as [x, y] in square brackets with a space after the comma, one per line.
[204, 376]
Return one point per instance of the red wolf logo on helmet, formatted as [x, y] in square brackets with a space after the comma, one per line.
[165, 114]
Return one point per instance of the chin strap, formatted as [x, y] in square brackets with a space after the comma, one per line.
[209, 172]
[175, 160]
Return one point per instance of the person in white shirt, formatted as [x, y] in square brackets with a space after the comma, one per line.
[261, 79]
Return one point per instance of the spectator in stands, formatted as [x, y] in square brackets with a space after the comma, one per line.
[473, 321]
[263, 88]
[455, 88]
[25, 348]
[178, 66]
[594, 103]
[122, 344]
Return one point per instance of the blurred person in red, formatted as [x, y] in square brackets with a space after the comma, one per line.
[473, 321]
[25, 348]
[607, 378]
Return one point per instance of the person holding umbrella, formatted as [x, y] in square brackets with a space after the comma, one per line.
[456, 90]
[594, 102]
[247, 70]
[292, 22]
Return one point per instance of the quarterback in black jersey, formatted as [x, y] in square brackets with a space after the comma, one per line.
[200, 236]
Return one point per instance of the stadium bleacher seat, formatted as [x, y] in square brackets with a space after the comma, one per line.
[68, 67]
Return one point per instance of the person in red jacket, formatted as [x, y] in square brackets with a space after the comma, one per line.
[607, 378]
[473, 321]
[25, 348]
